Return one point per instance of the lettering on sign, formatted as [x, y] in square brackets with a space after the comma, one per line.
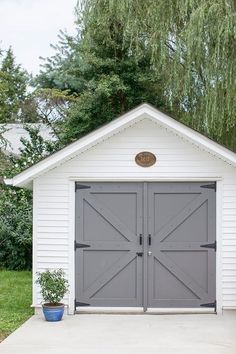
[145, 159]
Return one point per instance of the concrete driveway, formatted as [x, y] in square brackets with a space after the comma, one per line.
[125, 334]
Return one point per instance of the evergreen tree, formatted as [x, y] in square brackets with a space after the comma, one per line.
[13, 83]
[101, 74]
[16, 104]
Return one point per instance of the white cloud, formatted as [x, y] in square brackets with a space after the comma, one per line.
[30, 26]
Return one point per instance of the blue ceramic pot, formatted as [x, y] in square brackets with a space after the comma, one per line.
[53, 313]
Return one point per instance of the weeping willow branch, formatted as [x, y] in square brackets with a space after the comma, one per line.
[193, 49]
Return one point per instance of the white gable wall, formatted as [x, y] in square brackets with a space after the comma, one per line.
[113, 160]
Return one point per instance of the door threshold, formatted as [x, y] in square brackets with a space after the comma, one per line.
[109, 310]
[140, 311]
[180, 311]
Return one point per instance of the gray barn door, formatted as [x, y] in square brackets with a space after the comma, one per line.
[181, 273]
[109, 220]
[145, 244]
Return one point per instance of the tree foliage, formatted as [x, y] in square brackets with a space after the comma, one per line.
[15, 228]
[13, 84]
[18, 102]
[100, 74]
[19, 105]
[179, 55]
[16, 205]
[34, 149]
[52, 106]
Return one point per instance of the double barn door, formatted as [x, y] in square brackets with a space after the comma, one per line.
[149, 245]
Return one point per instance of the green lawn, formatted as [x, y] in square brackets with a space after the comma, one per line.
[15, 300]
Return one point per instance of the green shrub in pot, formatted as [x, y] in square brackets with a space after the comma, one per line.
[53, 286]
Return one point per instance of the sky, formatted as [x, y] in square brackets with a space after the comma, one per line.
[30, 26]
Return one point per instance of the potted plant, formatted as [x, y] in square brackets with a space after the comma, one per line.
[54, 286]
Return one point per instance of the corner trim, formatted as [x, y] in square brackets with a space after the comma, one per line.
[71, 254]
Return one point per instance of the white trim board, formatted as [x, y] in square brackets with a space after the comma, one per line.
[219, 277]
[24, 179]
[71, 247]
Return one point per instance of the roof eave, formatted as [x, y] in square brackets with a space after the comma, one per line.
[24, 178]
[145, 110]
[8, 181]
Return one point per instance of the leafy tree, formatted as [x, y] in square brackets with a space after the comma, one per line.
[51, 106]
[180, 55]
[3, 165]
[15, 228]
[18, 105]
[34, 149]
[16, 205]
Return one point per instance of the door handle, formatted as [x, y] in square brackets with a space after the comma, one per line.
[140, 239]
[139, 254]
[149, 240]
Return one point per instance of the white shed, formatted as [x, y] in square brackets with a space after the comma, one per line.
[140, 213]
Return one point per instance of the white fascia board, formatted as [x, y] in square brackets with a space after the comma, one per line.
[143, 111]
[8, 181]
[23, 178]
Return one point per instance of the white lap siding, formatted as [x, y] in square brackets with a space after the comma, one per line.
[113, 160]
[229, 240]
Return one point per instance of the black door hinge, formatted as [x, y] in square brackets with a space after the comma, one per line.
[80, 245]
[209, 245]
[77, 304]
[209, 186]
[210, 305]
[80, 186]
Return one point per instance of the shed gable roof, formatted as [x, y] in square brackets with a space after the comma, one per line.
[143, 111]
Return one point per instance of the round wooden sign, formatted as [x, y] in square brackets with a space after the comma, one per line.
[145, 159]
